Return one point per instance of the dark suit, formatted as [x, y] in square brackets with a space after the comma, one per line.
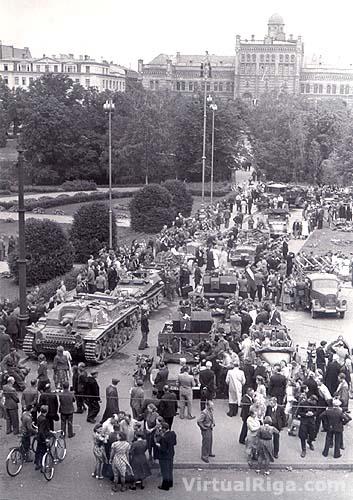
[277, 387]
[168, 407]
[166, 457]
[331, 377]
[11, 409]
[321, 359]
[278, 421]
[161, 380]
[207, 386]
[92, 390]
[43, 433]
[333, 420]
[246, 402]
[51, 400]
[66, 410]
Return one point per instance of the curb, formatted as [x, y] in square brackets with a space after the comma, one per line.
[244, 467]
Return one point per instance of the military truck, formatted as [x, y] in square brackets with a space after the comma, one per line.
[323, 295]
[277, 221]
[146, 286]
[90, 326]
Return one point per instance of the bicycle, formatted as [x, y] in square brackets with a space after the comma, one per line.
[16, 458]
[56, 452]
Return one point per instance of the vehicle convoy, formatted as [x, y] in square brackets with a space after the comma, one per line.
[179, 339]
[273, 343]
[92, 326]
[322, 295]
[277, 221]
[146, 286]
[243, 254]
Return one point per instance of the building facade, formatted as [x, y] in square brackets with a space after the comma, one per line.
[275, 62]
[19, 69]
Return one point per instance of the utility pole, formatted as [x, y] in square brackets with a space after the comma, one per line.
[22, 263]
[205, 74]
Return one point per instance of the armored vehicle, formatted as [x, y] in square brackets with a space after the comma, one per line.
[272, 343]
[277, 221]
[146, 286]
[243, 254]
[323, 295]
[91, 326]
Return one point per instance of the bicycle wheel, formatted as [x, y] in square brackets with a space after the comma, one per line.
[60, 448]
[14, 462]
[48, 466]
[34, 444]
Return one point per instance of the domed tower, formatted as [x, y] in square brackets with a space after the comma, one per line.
[276, 28]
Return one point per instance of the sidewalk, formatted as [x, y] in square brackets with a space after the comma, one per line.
[230, 454]
[61, 219]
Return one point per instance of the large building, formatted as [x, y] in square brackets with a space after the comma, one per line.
[18, 69]
[273, 63]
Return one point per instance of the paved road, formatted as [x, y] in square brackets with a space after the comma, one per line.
[62, 219]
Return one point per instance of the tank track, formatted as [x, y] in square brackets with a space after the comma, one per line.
[28, 345]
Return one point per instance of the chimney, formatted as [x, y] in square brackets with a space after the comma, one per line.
[140, 65]
[71, 56]
[177, 57]
[253, 38]
[81, 57]
[86, 57]
[291, 38]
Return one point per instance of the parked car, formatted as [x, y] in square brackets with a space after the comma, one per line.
[323, 295]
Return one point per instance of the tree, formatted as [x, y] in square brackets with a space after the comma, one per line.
[49, 252]
[151, 208]
[182, 200]
[90, 230]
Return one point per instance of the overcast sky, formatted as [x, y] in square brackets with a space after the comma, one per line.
[126, 30]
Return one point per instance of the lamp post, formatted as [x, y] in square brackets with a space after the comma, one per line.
[109, 107]
[23, 316]
[214, 108]
[205, 74]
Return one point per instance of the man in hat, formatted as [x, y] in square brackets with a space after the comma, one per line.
[235, 380]
[206, 423]
[93, 397]
[321, 357]
[43, 434]
[207, 384]
[5, 342]
[332, 371]
[306, 413]
[112, 399]
[50, 400]
[137, 396]
[246, 402]
[11, 406]
[333, 420]
[66, 410]
[81, 387]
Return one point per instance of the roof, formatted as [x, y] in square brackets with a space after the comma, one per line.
[322, 276]
[193, 59]
[11, 52]
[160, 59]
[276, 19]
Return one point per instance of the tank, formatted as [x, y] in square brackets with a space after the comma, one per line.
[147, 285]
[90, 326]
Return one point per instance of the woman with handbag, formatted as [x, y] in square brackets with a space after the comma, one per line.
[119, 459]
[138, 459]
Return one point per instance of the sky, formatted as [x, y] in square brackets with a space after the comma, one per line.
[124, 31]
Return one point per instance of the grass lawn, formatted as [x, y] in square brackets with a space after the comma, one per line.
[324, 240]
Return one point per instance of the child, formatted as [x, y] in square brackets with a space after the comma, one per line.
[99, 441]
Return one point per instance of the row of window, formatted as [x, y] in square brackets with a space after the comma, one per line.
[318, 88]
[113, 84]
[68, 68]
[267, 57]
[267, 69]
[195, 86]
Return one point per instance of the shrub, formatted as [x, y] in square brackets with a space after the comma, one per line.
[90, 230]
[181, 198]
[79, 185]
[151, 208]
[49, 252]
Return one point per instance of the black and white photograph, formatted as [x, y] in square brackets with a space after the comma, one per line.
[176, 250]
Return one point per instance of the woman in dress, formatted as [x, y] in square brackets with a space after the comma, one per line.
[119, 459]
[99, 441]
[265, 444]
[42, 377]
[253, 425]
[260, 398]
[150, 429]
[138, 460]
[60, 368]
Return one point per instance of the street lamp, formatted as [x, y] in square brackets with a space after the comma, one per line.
[22, 263]
[109, 107]
[205, 74]
[214, 108]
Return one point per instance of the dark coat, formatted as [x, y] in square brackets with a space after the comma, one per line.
[207, 381]
[92, 387]
[168, 405]
[249, 372]
[43, 428]
[161, 378]
[331, 377]
[11, 397]
[5, 344]
[333, 420]
[277, 386]
[66, 399]
[49, 399]
[278, 416]
[167, 443]
[246, 402]
[112, 401]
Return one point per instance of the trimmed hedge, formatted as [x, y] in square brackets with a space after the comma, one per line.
[48, 289]
[181, 198]
[65, 199]
[151, 208]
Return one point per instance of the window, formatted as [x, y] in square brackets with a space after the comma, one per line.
[302, 88]
[87, 82]
[220, 87]
[346, 90]
[152, 85]
[254, 57]
[292, 58]
[248, 57]
[110, 84]
[191, 87]
[31, 79]
[38, 68]
[267, 57]
[334, 89]
[243, 57]
[228, 86]
[17, 80]
[262, 58]
[177, 85]
[6, 80]
[208, 87]
[320, 88]
[156, 84]
[182, 85]
[307, 88]
[287, 57]
[87, 69]
[24, 81]
[341, 89]
[47, 68]
[55, 68]
[6, 67]
[281, 58]
[273, 58]
[315, 88]
[77, 80]
[215, 87]
[328, 89]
